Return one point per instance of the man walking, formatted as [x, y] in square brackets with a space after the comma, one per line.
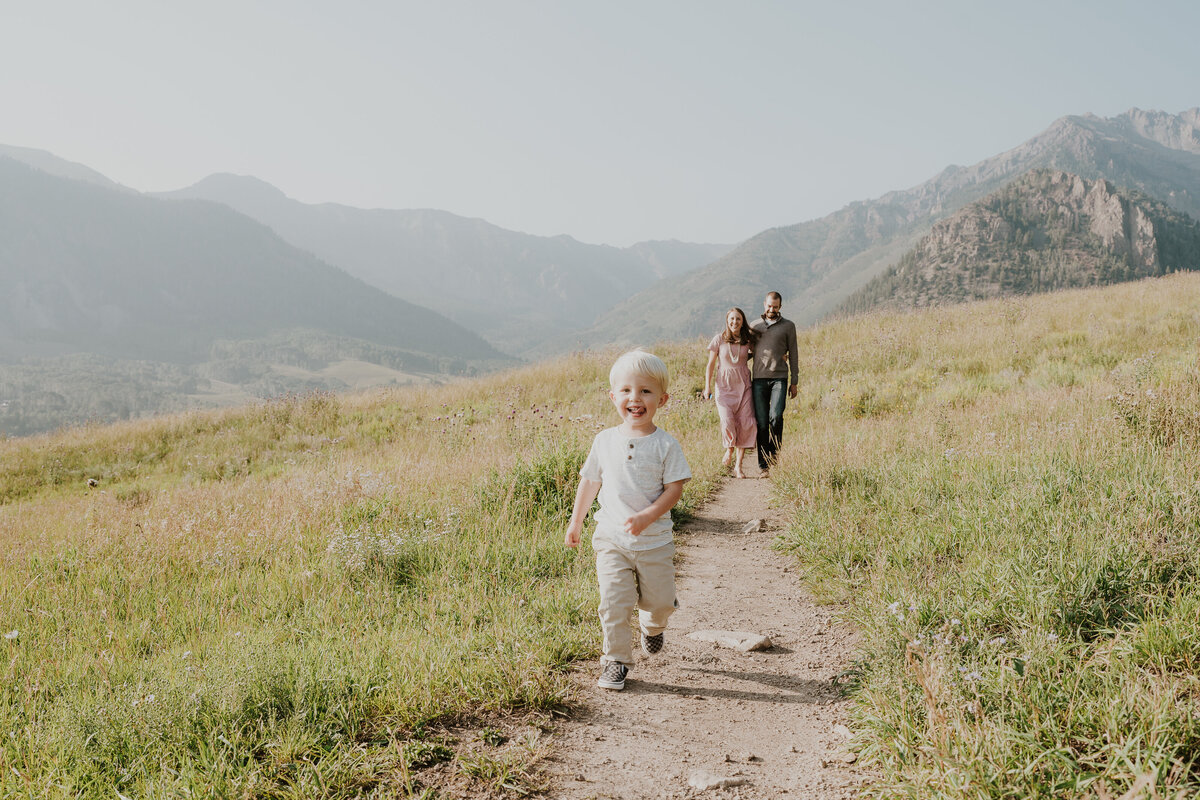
[774, 357]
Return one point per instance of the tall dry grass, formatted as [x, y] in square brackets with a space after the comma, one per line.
[290, 599]
[1007, 496]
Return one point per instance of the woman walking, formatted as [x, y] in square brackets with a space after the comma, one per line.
[728, 353]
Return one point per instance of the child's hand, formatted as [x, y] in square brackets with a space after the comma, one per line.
[636, 524]
[572, 537]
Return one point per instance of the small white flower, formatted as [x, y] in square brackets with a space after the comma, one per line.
[1051, 637]
[954, 623]
[149, 698]
[894, 608]
[999, 640]
[12, 635]
[974, 676]
[186, 653]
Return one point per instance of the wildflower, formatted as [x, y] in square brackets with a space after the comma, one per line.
[13, 634]
[186, 653]
[999, 640]
[954, 623]
[894, 608]
[1051, 637]
[973, 676]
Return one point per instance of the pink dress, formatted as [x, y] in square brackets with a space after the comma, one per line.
[734, 404]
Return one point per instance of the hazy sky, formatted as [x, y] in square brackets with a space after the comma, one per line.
[610, 121]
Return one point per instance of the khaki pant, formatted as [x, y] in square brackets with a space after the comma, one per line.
[629, 579]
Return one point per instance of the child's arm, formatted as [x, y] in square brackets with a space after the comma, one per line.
[665, 502]
[584, 496]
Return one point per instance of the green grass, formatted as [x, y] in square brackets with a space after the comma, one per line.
[1011, 518]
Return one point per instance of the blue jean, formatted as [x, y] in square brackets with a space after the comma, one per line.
[770, 397]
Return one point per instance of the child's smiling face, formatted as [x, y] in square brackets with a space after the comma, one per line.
[637, 398]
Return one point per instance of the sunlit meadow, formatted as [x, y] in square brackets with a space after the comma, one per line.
[301, 598]
[368, 596]
[1007, 495]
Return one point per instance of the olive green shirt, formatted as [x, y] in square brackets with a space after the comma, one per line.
[775, 352]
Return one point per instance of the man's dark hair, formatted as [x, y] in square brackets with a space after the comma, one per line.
[777, 296]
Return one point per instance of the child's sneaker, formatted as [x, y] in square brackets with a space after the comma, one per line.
[612, 675]
[652, 645]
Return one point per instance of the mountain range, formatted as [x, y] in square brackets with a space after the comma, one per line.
[88, 269]
[816, 265]
[229, 289]
[518, 291]
[114, 304]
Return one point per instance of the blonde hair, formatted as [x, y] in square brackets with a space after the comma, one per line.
[639, 362]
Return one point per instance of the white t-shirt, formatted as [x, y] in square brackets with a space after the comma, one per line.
[632, 472]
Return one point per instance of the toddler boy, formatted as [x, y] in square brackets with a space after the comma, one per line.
[638, 470]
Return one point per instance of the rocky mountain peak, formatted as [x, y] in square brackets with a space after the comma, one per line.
[1173, 131]
[1049, 229]
[1122, 226]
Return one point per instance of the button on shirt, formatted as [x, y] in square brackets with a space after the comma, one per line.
[632, 472]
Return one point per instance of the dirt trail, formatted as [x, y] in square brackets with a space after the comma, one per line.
[770, 722]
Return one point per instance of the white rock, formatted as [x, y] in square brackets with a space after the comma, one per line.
[703, 781]
[737, 640]
[754, 526]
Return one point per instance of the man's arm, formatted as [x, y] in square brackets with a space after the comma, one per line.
[793, 362]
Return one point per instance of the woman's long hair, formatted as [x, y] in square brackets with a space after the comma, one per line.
[745, 335]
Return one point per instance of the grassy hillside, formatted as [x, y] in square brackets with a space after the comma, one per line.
[38, 395]
[1006, 496]
[296, 598]
[283, 600]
